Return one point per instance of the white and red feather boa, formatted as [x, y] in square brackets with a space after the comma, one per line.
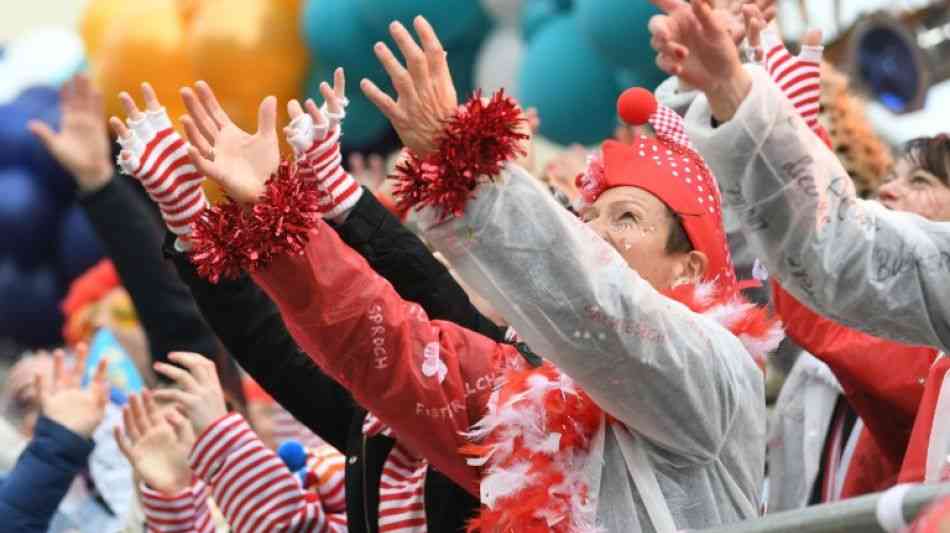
[534, 442]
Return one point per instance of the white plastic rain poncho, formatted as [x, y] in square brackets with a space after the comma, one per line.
[682, 385]
[879, 271]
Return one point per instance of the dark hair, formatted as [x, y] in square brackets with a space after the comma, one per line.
[931, 154]
[677, 242]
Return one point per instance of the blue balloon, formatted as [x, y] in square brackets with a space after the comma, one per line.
[79, 246]
[618, 29]
[453, 20]
[569, 83]
[19, 147]
[29, 304]
[28, 217]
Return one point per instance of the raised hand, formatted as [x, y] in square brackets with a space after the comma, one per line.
[63, 400]
[199, 390]
[799, 77]
[737, 20]
[156, 155]
[693, 42]
[157, 443]
[426, 95]
[82, 143]
[315, 137]
[308, 129]
[238, 161]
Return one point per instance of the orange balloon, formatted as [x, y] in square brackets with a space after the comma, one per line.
[146, 43]
[249, 49]
[98, 17]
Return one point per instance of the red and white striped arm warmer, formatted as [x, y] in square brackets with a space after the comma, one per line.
[251, 485]
[317, 150]
[185, 512]
[325, 475]
[799, 77]
[156, 155]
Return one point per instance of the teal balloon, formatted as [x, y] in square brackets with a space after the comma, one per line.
[536, 14]
[619, 30]
[650, 79]
[336, 35]
[453, 20]
[569, 83]
[463, 56]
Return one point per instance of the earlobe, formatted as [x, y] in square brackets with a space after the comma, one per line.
[696, 264]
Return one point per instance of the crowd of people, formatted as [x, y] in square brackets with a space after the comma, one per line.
[476, 344]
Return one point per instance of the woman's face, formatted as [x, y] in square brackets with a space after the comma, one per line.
[638, 225]
[914, 190]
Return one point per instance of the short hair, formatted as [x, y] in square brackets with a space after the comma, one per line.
[931, 154]
[677, 242]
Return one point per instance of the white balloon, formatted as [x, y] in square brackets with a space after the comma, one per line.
[44, 56]
[499, 61]
[506, 12]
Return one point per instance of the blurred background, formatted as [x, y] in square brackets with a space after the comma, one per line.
[889, 62]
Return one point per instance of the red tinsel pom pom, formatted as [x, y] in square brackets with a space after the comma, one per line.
[477, 142]
[229, 238]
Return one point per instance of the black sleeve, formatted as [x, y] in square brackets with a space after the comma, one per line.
[399, 256]
[133, 241]
[250, 327]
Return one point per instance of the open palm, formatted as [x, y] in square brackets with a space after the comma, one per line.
[157, 444]
[82, 143]
[694, 42]
[238, 161]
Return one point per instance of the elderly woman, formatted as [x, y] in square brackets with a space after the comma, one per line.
[649, 415]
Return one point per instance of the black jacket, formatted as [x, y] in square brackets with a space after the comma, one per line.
[250, 326]
[126, 223]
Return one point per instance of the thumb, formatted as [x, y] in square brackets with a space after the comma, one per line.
[267, 116]
[42, 131]
[812, 38]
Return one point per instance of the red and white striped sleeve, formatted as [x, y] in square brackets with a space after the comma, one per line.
[326, 475]
[156, 155]
[184, 512]
[251, 485]
[799, 77]
[317, 148]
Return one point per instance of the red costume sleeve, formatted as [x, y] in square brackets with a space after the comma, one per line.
[428, 380]
[914, 467]
[882, 379]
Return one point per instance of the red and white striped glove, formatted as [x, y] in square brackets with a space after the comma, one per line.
[317, 151]
[156, 155]
[799, 77]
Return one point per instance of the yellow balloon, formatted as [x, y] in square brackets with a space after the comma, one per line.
[246, 50]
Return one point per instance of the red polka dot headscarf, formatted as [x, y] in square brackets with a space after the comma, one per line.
[668, 167]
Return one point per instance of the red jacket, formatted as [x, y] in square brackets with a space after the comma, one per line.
[884, 381]
[427, 380]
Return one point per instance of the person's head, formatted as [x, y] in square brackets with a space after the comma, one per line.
[656, 202]
[920, 182]
[18, 398]
[647, 234]
[96, 300]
